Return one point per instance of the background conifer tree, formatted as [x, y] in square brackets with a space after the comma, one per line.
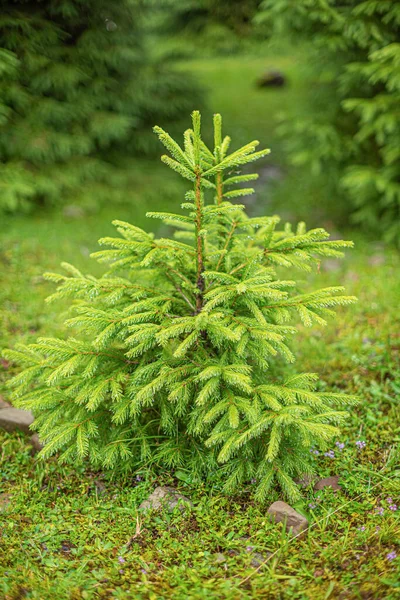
[79, 91]
[351, 134]
[171, 364]
[212, 26]
[235, 15]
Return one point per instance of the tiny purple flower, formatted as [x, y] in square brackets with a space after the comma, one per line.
[121, 571]
[315, 452]
[312, 505]
[340, 445]
[249, 548]
[380, 510]
[361, 528]
[144, 571]
[121, 559]
[392, 555]
[377, 528]
[361, 444]
[389, 500]
[393, 507]
[138, 478]
[253, 481]
[329, 454]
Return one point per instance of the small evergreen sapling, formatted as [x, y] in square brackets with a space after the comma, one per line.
[171, 368]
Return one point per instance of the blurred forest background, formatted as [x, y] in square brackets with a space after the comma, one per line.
[84, 81]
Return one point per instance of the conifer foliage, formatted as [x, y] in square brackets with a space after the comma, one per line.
[79, 92]
[352, 132]
[212, 27]
[170, 364]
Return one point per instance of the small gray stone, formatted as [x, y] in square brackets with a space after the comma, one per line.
[295, 523]
[165, 497]
[36, 444]
[273, 78]
[13, 418]
[332, 482]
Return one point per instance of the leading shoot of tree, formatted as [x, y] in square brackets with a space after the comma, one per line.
[171, 368]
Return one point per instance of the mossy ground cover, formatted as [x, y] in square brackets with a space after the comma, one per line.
[64, 532]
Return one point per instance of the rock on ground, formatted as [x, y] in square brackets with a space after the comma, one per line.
[332, 482]
[13, 418]
[36, 444]
[272, 79]
[295, 523]
[165, 497]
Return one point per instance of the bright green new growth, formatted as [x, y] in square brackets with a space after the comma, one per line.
[171, 368]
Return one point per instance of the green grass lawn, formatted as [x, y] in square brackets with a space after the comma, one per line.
[63, 534]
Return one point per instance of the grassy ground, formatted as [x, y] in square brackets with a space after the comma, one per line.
[248, 111]
[64, 531]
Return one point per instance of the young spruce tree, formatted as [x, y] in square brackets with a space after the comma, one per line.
[171, 365]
